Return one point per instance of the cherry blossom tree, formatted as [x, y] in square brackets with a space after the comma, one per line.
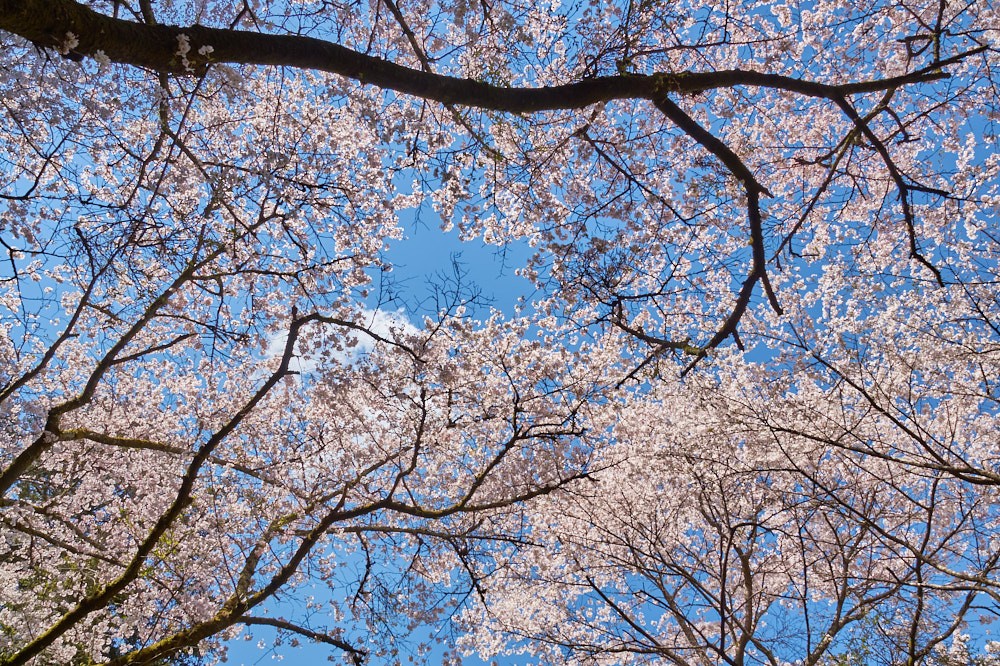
[747, 412]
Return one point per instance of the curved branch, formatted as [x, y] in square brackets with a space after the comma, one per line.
[357, 655]
[78, 31]
[753, 190]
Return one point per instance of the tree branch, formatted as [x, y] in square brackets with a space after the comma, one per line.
[58, 24]
[357, 655]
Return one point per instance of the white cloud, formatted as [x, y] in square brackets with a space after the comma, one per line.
[382, 324]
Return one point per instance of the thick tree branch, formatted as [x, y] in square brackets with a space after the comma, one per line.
[78, 30]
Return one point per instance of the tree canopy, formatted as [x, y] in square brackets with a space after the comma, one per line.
[745, 411]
